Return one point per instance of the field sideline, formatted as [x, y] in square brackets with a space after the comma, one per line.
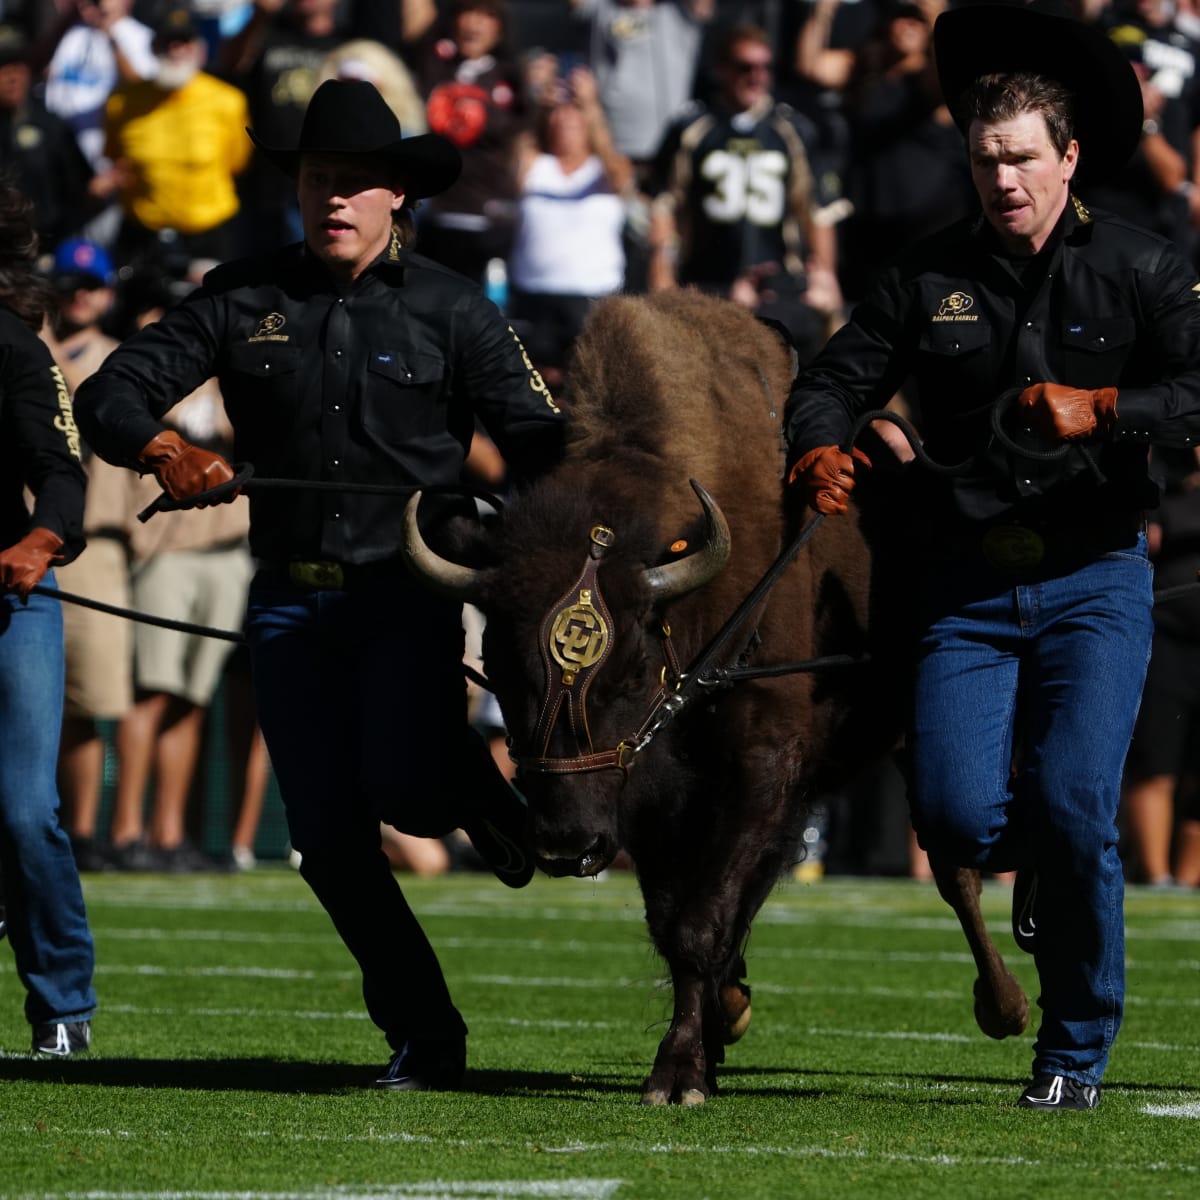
[231, 1048]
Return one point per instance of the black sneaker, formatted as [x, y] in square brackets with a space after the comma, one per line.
[499, 836]
[431, 1066]
[88, 854]
[1059, 1092]
[187, 859]
[62, 1037]
[3, 923]
[1024, 926]
[134, 856]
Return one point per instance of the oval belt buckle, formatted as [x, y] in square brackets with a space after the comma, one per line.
[1012, 547]
[319, 575]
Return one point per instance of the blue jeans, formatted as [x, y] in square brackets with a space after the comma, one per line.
[1044, 675]
[362, 702]
[47, 921]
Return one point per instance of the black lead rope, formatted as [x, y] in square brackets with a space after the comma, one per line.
[245, 480]
[1015, 447]
[705, 674]
[227, 635]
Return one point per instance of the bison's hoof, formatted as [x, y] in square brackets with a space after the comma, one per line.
[689, 1097]
[735, 1004]
[1001, 1014]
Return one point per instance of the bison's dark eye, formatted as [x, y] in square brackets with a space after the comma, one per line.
[627, 677]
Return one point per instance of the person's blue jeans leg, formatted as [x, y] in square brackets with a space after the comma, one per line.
[963, 721]
[1094, 632]
[1065, 656]
[52, 945]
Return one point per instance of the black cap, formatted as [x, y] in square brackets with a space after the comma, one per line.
[175, 24]
[14, 45]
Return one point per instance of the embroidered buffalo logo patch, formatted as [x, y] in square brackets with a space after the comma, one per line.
[954, 304]
[269, 327]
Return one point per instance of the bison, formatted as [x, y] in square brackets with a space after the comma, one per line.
[607, 578]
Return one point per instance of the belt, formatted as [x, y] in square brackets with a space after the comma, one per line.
[1031, 546]
[332, 576]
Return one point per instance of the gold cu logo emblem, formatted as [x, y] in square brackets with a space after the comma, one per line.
[579, 636]
[955, 303]
[271, 323]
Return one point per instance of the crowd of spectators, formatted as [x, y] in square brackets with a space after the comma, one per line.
[774, 153]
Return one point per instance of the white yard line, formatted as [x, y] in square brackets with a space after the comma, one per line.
[1191, 1110]
[434, 1189]
[648, 982]
[550, 1024]
[573, 1147]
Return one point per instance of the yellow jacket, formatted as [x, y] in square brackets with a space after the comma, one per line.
[181, 149]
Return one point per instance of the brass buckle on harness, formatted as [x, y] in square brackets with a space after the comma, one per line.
[327, 575]
[1012, 547]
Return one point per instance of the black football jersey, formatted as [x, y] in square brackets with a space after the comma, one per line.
[742, 191]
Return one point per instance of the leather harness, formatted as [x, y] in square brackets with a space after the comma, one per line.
[576, 638]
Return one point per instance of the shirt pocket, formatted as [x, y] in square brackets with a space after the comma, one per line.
[404, 397]
[954, 363]
[1095, 350]
[953, 339]
[265, 361]
[263, 383]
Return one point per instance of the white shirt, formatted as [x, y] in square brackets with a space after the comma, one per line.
[83, 72]
[568, 235]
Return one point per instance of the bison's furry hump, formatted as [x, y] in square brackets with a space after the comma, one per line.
[694, 383]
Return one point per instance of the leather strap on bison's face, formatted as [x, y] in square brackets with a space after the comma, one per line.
[575, 638]
[576, 635]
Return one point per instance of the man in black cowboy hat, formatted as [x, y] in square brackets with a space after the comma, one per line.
[348, 358]
[1048, 345]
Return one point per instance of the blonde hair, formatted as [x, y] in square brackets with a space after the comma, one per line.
[363, 58]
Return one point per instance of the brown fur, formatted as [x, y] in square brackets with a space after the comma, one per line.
[669, 388]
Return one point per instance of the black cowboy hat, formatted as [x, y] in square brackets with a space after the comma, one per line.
[1045, 39]
[349, 116]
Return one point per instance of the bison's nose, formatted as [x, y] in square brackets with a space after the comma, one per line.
[590, 862]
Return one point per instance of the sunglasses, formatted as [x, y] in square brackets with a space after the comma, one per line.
[748, 66]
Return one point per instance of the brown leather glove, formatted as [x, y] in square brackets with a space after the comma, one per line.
[184, 470]
[826, 474]
[26, 562]
[1064, 414]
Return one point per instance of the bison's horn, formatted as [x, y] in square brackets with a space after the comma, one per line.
[678, 578]
[449, 579]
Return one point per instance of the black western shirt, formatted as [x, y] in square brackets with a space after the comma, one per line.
[39, 442]
[379, 383]
[1108, 305]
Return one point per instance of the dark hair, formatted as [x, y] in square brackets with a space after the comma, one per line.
[1003, 97]
[745, 32]
[22, 290]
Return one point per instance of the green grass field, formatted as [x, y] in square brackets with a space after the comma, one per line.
[231, 1051]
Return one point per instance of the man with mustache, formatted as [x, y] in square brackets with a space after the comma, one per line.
[1026, 568]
